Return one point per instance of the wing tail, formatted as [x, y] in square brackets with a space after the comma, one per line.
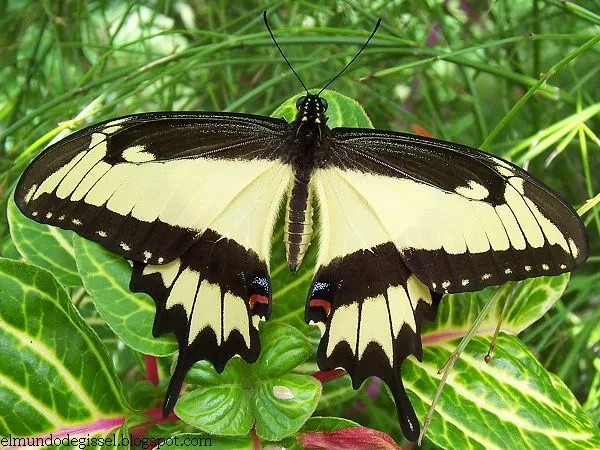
[211, 298]
[372, 308]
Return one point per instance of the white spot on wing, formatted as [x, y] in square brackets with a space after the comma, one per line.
[30, 193]
[573, 247]
[507, 271]
[125, 247]
[101, 233]
[168, 272]
[562, 266]
[76, 222]
[527, 268]
[111, 130]
[545, 267]
[147, 255]
[473, 190]
[136, 154]
[464, 282]
[446, 284]
[48, 215]
[486, 276]
[117, 122]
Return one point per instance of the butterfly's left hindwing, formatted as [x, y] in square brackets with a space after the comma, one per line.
[191, 199]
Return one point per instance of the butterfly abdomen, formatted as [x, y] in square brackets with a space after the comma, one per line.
[298, 220]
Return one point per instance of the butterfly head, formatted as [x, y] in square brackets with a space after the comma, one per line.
[311, 108]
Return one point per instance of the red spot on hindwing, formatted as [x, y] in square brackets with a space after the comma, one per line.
[257, 298]
[318, 302]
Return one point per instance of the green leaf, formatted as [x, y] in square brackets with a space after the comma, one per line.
[261, 393]
[223, 408]
[55, 370]
[283, 404]
[142, 395]
[283, 349]
[532, 298]
[528, 407]
[342, 111]
[43, 245]
[130, 315]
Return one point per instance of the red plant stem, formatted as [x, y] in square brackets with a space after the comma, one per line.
[325, 376]
[151, 369]
[255, 439]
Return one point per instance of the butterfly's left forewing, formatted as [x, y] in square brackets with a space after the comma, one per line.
[405, 219]
[191, 199]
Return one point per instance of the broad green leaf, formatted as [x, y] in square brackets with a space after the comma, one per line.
[43, 245]
[261, 393]
[283, 404]
[224, 408]
[55, 371]
[186, 441]
[130, 315]
[284, 348]
[142, 395]
[512, 402]
[532, 299]
[342, 111]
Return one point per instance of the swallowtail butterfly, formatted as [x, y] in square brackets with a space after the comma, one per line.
[191, 199]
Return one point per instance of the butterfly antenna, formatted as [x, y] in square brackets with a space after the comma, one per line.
[355, 56]
[281, 51]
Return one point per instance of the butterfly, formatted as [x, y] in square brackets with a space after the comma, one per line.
[192, 198]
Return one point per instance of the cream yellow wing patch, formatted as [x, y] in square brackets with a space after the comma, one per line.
[453, 240]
